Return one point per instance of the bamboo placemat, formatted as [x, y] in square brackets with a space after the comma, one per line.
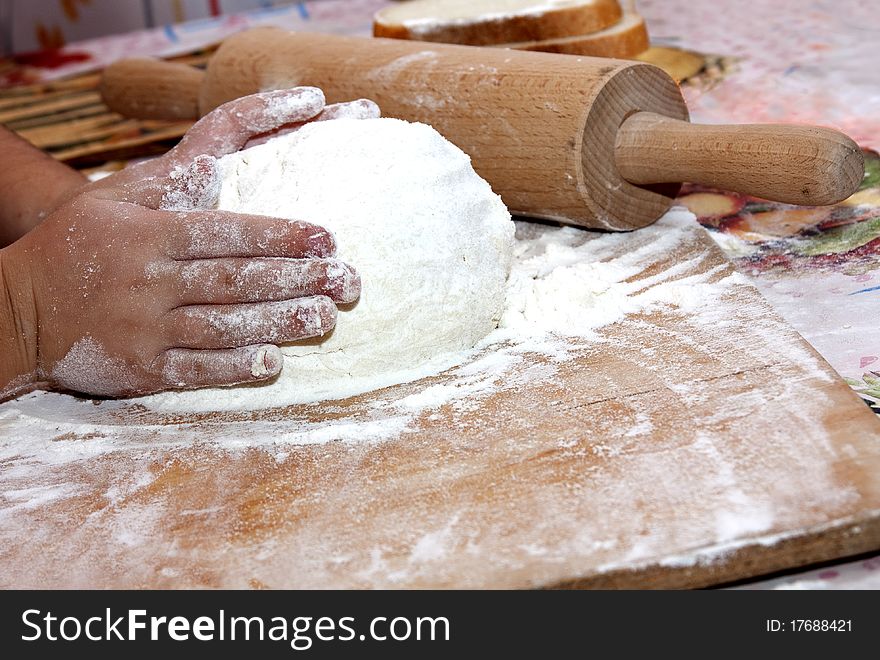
[68, 119]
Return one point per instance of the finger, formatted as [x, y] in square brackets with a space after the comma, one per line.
[187, 369]
[230, 326]
[227, 128]
[230, 281]
[212, 234]
[360, 109]
[196, 185]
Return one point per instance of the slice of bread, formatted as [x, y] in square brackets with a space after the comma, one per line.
[625, 40]
[491, 22]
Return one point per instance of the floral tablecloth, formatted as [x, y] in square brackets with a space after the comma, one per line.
[811, 62]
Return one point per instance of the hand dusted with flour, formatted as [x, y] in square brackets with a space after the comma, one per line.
[136, 283]
[430, 239]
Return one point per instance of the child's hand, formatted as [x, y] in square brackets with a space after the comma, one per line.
[131, 286]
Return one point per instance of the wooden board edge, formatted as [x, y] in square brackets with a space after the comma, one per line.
[714, 567]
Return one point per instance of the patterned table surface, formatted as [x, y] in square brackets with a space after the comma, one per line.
[811, 62]
[808, 61]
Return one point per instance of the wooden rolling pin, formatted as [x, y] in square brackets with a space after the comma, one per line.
[594, 142]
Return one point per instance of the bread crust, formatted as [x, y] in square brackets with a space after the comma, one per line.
[487, 31]
[613, 42]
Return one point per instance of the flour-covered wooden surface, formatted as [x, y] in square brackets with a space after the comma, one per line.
[694, 440]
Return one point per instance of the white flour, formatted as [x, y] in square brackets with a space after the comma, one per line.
[570, 282]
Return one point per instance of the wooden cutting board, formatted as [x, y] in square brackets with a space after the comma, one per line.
[670, 454]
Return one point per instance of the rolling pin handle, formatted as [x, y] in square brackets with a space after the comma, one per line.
[152, 89]
[806, 165]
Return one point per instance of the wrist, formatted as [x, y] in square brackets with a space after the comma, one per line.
[18, 328]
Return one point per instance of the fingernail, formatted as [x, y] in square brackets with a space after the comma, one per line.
[317, 316]
[343, 281]
[283, 106]
[370, 108]
[359, 109]
[320, 244]
[266, 362]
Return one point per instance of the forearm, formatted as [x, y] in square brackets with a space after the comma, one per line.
[33, 183]
[18, 330]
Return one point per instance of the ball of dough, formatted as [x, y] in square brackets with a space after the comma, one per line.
[430, 239]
